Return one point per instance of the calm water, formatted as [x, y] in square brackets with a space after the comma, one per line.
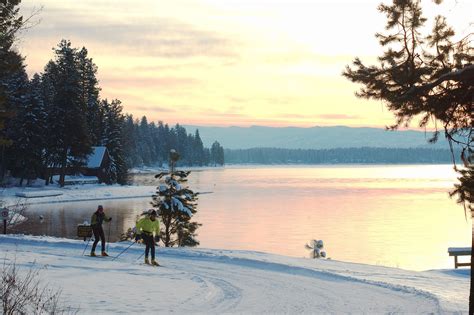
[397, 216]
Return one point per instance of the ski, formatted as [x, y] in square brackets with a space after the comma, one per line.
[150, 265]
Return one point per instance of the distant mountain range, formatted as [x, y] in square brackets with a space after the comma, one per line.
[314, 137]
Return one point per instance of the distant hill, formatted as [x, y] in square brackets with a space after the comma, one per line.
[314, 137]
[364, 155]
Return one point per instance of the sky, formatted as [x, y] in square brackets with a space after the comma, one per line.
[226, 62]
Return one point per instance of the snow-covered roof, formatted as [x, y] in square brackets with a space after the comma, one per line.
[95, 158]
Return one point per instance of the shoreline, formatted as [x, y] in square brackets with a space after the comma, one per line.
[88, 192]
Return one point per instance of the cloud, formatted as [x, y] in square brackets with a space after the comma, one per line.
[153, 108]
[338, 116]
[143, 82]
[321, 116]
[156, 37]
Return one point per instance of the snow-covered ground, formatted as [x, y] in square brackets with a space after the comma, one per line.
[223, 281]
[52, 194]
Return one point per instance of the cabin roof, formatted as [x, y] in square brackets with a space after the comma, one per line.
[94, 160]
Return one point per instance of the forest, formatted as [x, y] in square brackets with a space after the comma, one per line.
[338, 156]
[53, 120]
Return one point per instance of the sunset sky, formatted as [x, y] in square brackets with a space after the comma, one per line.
[219, 62]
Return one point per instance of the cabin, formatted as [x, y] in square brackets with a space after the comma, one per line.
[94, 170]
[97, 164]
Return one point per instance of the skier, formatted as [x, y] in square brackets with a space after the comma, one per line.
[148, 229]
[96, 223]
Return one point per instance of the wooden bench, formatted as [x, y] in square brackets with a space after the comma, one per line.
[459, 251]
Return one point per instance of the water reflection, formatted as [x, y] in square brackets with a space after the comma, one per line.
[61, 219]
[388, 215]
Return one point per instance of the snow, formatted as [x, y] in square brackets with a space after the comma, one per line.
[77, 179]
[224, 281]
[50, 194]
[459, 249]
[38, 193]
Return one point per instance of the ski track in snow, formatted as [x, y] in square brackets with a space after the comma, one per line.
[208, 281]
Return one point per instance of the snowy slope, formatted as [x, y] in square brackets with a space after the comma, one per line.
[53, 194]
[217, 281]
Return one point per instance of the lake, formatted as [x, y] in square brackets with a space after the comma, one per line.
[397, 215]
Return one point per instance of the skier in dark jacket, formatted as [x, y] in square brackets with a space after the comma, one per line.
[96, 223]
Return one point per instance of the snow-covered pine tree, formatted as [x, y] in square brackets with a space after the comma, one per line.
[177, 204]
[27, 134]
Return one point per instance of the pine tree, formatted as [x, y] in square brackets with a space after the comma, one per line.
[11, 68]
[162, 139]
[90, 95]
[428, 76]
[69, 111]
[217, 154]
[128, 139]
[28, 134]
[198, 148]
[145, 141]
[114, 124]
[52, 120]
[177, 205]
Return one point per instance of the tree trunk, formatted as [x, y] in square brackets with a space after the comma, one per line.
[471, 290]
[46, 176]
[167, 232]
[62, 173]
[62, 176]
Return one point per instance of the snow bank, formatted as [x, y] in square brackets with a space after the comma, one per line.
[38, 193]
[54, 194]
[224, 281]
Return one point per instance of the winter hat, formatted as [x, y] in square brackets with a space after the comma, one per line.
[152, 212]
[100, 207]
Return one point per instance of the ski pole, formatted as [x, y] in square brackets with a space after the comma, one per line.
[123, 251]
[86, 246]
[108, 237]
[140, 256]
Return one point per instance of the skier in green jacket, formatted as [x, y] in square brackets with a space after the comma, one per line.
[148, 229]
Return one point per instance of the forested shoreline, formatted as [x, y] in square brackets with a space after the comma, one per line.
[365, 155]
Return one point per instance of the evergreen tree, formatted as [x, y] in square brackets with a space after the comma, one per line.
[198, 148]
[90, 95]
[11, 69]
[129, 142]
[428, 76]
[28, 134]
[145, 141]
[114, 124]
[51, 138]
[162, 138]
[69, 111]
[177, 205]
[217, 154]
